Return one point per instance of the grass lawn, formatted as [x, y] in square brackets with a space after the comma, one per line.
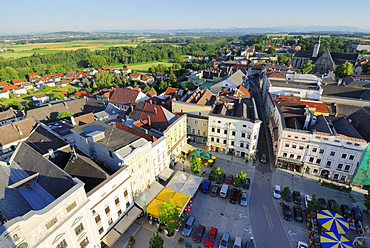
[142, 67]
[25, 99]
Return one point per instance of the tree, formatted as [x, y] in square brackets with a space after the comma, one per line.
[283, 59]
[71, 90]
[104, 79]
[170, 215]
[190, 86]
[13, 74]
[285, 192]
[344, 70]
[172, 78]
[162, 85]
[314, 204]
[96, 61]
[86, 82]
[63, 115]
[271, 50]
[156, 241]
[307, 67]
[218, 173]
[196, 164]
[240, 179]
[57, 95]
[367, 200]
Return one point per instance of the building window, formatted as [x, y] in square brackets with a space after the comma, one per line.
[344, 155]
[336, 141]
[347, 168]
[119, 213]
[233, 133]
[198, 132]
[218, 140]
[244, 125]
[204, 133]
[300, 147]
[243, 135]
[232, 143]
[321, 151]
[97, 219]
[193, 131]
[125, 193]
[79, 229]
[249, 136]
[84, 242]
[110, 221]
[101, 230]
[285, 154]
[299, 157]
[225, 131]
[294, 146]
[349, 143]
[318, 161]
[218, 121]
[218, 130]
[328, 163]
[339, 167]
[127, 204]
[212, 139]
[62, 244]
[241, 144]
[196, 122]
[314, 149]
[213, 129]
[351, 157]
[286, 144]
[225, 142]
[107, 211]
[335, 177]
[311, 159]
[291, 156]
[51, 223]
[70, 207]
[343, 178]
[116, 201]
[332, 153]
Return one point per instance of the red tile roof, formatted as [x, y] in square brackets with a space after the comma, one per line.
[319, 106]
[18, 81]
[10, 87]
[126, 69]
[46, 76]
[135, 74]
[160, 118]
[81, 93]
[170, 91]
[59, 74]
[358, 75]
[104, 68]
[276, 75]
[124, 96]
[34, 74]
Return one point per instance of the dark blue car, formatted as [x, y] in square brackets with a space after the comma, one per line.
[356, 212]
[205, 187]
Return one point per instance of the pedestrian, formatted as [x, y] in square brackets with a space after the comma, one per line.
[204, 172]
[292, 175]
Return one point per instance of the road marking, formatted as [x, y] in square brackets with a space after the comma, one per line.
[248, 230]
[268, 217]
[242, 216]
[291, 233]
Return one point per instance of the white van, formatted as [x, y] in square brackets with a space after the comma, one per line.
[224, 190]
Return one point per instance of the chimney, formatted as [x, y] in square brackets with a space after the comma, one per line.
[155, 110]
[150, 101]
[51, 153]
[19, 129]
[65, 104]
[132, 108]
[149, 120]
[73, 121]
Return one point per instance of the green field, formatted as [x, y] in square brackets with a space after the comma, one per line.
[143, 67]
[47, 48]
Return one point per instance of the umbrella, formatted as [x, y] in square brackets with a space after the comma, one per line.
[154, 207]
[165, 195]
[334, 240]
[333, 222]
[180, 199]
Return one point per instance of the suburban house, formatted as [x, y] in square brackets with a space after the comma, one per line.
[124, 98]
[4, 94]
[135, 76]
[233, 126]
[19, 91]
[18, 82]
[11, 116]
[3, 83]
[41, 98]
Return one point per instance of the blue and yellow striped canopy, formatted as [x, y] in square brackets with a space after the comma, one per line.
[333, 222]
[334, 240]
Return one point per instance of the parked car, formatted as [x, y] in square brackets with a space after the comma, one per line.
[345, 211]
[229, 179]
[302, 244]
[189, 224]
[333, 205]
[276, 192]
[307, 199]
[298, 213]
[221, 179]
[212, 174]
[237, 242]
[287, 213]
[198, 235]
[289, 196]
[224, 241]
[211, 237]
[297, 197]
[205, 187]
[224, 190]
[323, 204]
[357, 214]
[250, 243]
[243, 199]
[234, 197]
[214, 190]
[247, 183]
[263, 158]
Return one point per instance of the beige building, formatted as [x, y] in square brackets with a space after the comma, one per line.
[42, 206]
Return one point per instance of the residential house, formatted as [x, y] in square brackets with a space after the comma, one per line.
[9, 88]
[196, 105]
[160, 75]
[49, 113]
[19, 90]
[126, 70]
[82, 119]
[3, 83]
[135, 76]
[317, 108]
[32, 75]
[233, 126]
[27, 85]
[110, 113]
[115, 148]
[41, 98]
[18, 82]
[4, 94]
[158, 119]
[51, 206]
[124, 98]
[10, 116]
[63, 82]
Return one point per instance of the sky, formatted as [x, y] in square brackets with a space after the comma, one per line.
[25, 16]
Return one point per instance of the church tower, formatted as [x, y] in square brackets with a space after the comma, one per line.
[316, 49]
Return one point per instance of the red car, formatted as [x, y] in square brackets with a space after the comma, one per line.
[229, 179]
[211, 237]
[198, 235]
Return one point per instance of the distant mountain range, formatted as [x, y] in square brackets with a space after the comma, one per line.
[226, 31]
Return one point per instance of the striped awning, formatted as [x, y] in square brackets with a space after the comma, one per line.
[111, 237]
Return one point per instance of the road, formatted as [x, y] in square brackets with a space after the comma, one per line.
[268, 229]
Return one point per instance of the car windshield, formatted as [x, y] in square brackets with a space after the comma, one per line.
[198, 233]
[277, 191]
[244, 198]
[211, 239]
[224, 242]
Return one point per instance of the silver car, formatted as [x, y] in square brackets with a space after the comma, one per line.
[243, 199]
[189, 224]
[224, 242]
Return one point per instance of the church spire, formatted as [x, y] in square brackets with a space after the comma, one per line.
[316, 49]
